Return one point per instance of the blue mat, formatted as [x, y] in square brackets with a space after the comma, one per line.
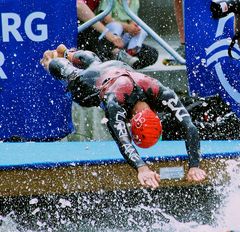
[45, 155]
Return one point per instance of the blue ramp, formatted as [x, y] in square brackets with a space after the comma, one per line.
[45, 155]
[68, 167]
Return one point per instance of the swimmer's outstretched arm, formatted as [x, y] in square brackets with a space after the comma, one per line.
[117, 125]
[170, 100]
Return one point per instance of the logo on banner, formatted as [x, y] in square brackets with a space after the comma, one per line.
[11, 23]
[215, 58]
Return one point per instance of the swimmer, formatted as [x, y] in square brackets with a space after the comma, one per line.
[127, 97]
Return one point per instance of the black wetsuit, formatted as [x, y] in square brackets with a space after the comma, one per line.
[116, 87]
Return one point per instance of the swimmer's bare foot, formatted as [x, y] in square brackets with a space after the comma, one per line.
[61, 49]
[47, 57]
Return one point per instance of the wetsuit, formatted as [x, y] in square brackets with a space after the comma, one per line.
[116, 87]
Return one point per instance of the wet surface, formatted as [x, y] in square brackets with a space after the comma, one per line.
[212, 208]
[109, 211]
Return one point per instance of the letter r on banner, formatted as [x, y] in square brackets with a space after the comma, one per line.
[2, 73]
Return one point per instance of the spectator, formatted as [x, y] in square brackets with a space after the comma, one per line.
[178, 10]
[221, 9]
[236, 37]
[237, 26]
[109, 47]
[133, 36]
[126, 96]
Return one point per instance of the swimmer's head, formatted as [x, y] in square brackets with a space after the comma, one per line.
[146, 128]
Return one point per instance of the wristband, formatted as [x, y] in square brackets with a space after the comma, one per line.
[103, 34]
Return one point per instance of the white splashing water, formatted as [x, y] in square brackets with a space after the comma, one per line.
[229, 215]
[7, 224]
[227, 218]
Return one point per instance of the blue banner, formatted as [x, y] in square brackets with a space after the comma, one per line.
[210, 70]
[33, 105]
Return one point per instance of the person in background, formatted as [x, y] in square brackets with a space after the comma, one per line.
[126, 96]
[98, 38]
[84, 13]
[178, 9]
[237, 27]
[179, 15]
[220, 9]
[119, 23]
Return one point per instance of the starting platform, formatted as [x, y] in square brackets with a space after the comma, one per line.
[68, 167]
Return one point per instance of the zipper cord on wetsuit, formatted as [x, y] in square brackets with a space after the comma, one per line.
[109, 79]
[235, 37]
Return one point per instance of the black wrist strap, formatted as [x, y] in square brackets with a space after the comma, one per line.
[65, 54]
[235, 37]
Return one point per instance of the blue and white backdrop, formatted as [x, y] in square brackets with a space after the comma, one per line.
[32, 104]
[210, 70]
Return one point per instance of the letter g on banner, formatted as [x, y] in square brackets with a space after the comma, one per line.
[41, 27]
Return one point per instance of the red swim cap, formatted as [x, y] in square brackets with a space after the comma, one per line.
[146, 128]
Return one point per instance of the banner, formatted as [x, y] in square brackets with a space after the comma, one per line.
[210, 70]
[33, 105]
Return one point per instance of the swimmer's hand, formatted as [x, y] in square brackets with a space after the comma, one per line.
[196, 174]
[148, 178]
